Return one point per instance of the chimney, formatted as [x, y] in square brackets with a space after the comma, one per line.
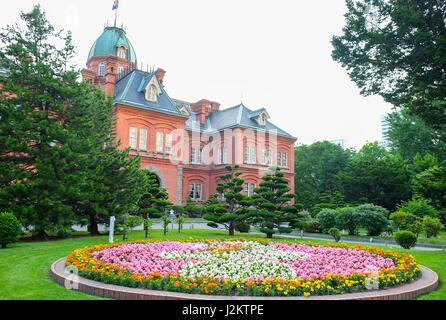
[160, 75]
[202, 108]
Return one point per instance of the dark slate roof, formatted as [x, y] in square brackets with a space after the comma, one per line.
[128, 92]
[237, 116]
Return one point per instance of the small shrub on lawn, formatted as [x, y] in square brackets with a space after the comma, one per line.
[348, 219]
[10, 229]
[313, 227]
[432, 226]
[405, 239]
[327, 219]
[373, 218]
[335, 233]
[402, 220]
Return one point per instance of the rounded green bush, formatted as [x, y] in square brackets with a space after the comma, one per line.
[405, 239]
[335, 233]
[10, 228]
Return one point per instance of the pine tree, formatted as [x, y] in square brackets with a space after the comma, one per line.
[235, 205]
[273, 204]
[154, 202]
[35, 162]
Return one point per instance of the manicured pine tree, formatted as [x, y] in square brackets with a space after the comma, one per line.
[235, 205]
[272, 202]
[154, 202]
[35, 163]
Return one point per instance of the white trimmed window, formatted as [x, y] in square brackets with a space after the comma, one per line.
[101, 71]
[247, 189]
[285, 160]
[263, 156]
[279, 159]
[195, 191]
[225, 155]
[200, 155]
[133, 141]
[270, 157]
[159, 141]
[192, 155]
[122, 52]
[143, 139]
[120, 69]
[168, 142]
[253, 186]
[247, 154]
[253, 155]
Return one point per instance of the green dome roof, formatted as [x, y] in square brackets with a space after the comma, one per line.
[109, 41]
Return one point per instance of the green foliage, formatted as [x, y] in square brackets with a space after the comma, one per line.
[419, 208]
[316, 166]
[166, 221]
[242, 226]
[180, 222]
[377, 176]
[153, 203]
[417, 227]
[402, 220]
[373, 219]
[432, 226]
[335, 233]
[326, 219]
[134, 221]
[431, 185]
[348, 219]
[405, 239]
[313, 227]
[272, 204]
[329, 201]
[10, 228]
[414, 140]
[393, 49]
[235, 206]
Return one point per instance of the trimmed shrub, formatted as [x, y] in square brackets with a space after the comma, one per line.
[402, 220]
[348, 219]
[10, 229]
[432, 226]
[327, 219]
[419, 208]
[417, 227]
[313, 227]
[373, 219]
[335, 233]
[405, 239]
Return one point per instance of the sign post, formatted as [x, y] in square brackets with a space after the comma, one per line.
[112, 229]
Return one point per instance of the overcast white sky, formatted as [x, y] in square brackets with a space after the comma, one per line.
[272, 54]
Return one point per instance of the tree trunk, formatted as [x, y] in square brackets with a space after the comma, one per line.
[269, 235]
[94, 230]
[231, 228]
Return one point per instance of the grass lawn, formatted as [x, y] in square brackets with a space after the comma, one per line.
[24, 266]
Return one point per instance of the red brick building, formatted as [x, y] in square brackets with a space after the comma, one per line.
[186, 144]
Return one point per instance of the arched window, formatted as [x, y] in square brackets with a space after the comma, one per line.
[122, 52]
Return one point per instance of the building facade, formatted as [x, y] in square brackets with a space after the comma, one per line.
[187, 145]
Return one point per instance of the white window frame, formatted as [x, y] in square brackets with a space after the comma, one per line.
[143, 139]
[101, 69]
[247, 154]
[198, 191]
[247, 189]
[133, 138]
[159, 141]
[225, 155]
[279, 159]
[270, 157]
[285, 159]
[169, 143]
[192, 191]
[193, 155]
[253, 155]
[253, 186]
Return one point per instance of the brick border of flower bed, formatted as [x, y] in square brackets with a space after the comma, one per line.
[426, 283]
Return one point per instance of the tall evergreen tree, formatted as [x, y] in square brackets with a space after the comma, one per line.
[35, 161]
[273, 202]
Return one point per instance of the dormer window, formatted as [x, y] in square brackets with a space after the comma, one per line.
[122, 52]
[152, 93]
[262, 120]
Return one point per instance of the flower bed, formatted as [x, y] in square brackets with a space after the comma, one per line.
[245, 267]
